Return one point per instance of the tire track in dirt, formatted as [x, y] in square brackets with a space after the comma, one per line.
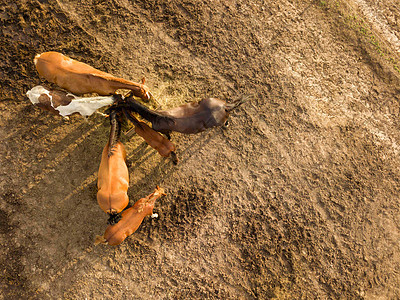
[378, 22]
[50, 167]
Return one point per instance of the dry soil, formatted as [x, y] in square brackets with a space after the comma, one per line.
[297, 199]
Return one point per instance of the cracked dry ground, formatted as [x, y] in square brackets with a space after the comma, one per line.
[298, 198]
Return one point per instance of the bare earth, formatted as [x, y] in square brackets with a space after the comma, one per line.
[297, 199]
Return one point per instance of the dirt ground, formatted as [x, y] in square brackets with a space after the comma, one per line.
[297, 199]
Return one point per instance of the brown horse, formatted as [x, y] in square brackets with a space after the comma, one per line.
[113, 180]
[80, 78]
[189, 118]
[131, 220]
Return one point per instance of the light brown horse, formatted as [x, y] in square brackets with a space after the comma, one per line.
[155, 140]
[113, 180]
[80, 78]
[131, 220]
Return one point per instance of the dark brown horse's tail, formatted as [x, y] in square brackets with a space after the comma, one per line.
[115, 131]
[152, 116]
[236, 103]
